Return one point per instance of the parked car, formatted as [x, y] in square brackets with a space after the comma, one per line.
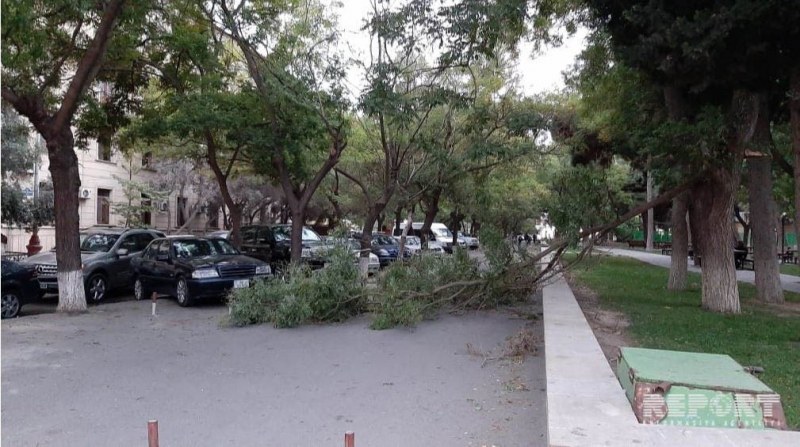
[435, 248]
[469, 241]
[413, 244]
[82, 235]
[19, 287]
[106, 254]
[387, 249]
[192, 268]
[374, 262]
[438, 233]
[272, 244]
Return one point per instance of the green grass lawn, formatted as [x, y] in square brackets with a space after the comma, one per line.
[661, 319]
[790, 269]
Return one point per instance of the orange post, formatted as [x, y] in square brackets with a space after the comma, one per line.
[152, 433]
[154, 297]
[349, 439]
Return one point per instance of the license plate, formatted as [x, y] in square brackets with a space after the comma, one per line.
[241, 283]
[306, 253]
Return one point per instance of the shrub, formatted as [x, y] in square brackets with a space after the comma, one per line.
[334, 293]
[411, 291]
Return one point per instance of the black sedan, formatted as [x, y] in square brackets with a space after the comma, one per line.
[19, 286]
[191, 268]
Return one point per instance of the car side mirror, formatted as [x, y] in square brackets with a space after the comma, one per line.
[122, 252]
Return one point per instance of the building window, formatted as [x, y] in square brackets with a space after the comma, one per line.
[147, 160]
[104, 206]
[104, 149]
[181, 211]
[147, 217]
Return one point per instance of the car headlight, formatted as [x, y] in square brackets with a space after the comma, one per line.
[205, 273]
[383, 252]
[263, 270]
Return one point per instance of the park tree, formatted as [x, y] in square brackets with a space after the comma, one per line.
[51, 53]
[294, 73]
[718, 94]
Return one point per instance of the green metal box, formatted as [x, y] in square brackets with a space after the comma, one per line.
[696, 390]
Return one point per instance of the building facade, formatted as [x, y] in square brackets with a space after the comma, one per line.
[103, 173]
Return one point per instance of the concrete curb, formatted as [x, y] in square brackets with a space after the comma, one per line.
[586, 406]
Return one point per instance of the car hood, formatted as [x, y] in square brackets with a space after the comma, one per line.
[221, 260]
[50, 257]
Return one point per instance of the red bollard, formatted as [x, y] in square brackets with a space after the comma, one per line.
[154, 297]
[152, 433]
[349, 439]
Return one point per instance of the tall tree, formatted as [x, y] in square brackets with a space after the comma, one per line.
[290, 55]
[42, 43]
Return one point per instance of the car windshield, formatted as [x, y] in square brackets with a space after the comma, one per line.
[383, 240]
[99, 242]
[444, 232]
[285, 234]
[412, 240]
[193, 248]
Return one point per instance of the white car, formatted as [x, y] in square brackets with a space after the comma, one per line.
[435, 248]
[355, 245]
[413, 244]
[469, 241]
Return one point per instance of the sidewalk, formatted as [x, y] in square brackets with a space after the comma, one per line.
[586, 406]
[790, 283]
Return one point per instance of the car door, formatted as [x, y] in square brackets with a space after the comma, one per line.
[145, 265]
[163, 273]
[249, 246]
[119, 267]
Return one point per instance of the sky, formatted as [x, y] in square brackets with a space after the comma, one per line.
[537, 74]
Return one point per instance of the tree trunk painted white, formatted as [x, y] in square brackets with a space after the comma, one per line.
[680, 244]
[66, 184]
[650, 213]
[71, 295]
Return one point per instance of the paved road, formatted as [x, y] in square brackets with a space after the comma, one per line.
[790, 283]
[95, 379]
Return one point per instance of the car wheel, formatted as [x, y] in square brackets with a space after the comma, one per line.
[96, 288]
[182, 293]
[11, 304]
[139, 292]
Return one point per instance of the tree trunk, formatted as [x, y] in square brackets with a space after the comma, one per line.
[404, 234]
[236, 225]
[694, 233]
[794, 120]
[366, 239]
[680, 244]
[713, 203]
[650, 214]
[431, 209]
[66, 184]
[762, 213]
[398, 218]
[297, 234]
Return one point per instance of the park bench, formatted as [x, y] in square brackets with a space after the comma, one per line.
[787, 257]
[632, 244]
[747, 264]
[666, 251]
